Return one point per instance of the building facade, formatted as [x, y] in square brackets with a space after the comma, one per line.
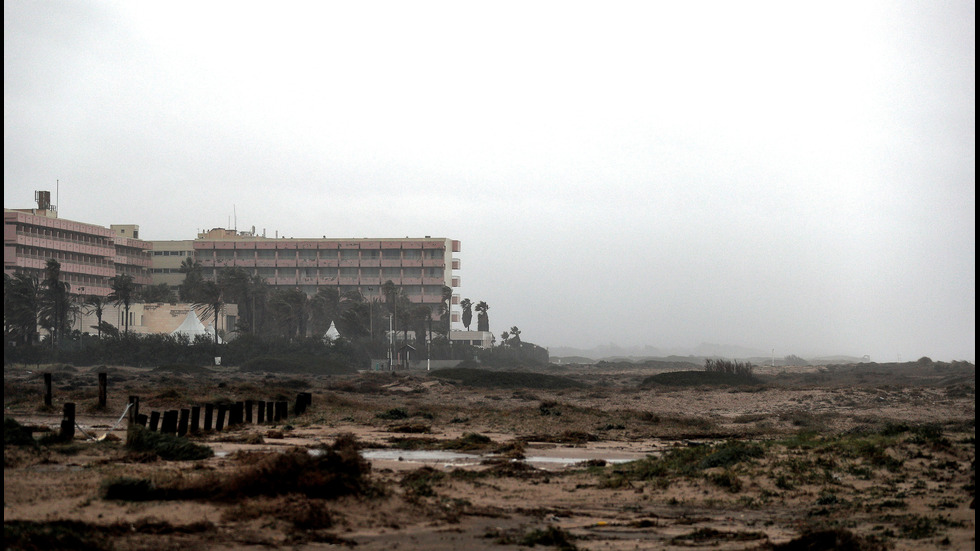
[89, 255]
[420, 267]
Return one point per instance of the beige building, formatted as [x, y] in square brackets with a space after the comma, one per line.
[157, 318]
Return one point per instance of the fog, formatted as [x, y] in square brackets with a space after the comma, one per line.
[789, 178]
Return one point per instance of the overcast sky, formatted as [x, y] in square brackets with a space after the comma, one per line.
[787, 176]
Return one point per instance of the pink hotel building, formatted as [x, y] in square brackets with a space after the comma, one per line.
[89, 255]
[421, 267]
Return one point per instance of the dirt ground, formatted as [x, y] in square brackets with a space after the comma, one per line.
[876, 457]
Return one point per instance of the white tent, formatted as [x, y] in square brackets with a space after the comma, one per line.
[192, 327]
[332, 333]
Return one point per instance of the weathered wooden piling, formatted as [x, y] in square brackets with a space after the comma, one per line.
[249, 404]
[208, 416]
[303, 400]
[154, 420]
[270, 412]
[47, 389]
[220, 421]
[169, 424]
[103, 384]
[185, 414]
[133, 417]
[236, 413]
[195, 419]
[134, 408]
[68, 422]
[260, 408]
[141, 420]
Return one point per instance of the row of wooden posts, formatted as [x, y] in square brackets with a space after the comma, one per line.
[188, 420]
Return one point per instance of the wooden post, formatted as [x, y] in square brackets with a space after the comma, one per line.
[103, 383]
[133, 418]
[237, 414]
[220, 422]
[185, 414]
[208, 415]
[261, 411]
[270, 412]
[170, 418]
[47, 389]
[135, 408]
[248, 411]
[284, 406]
[68, 422]
[303, 400]
[195, 419]
[141, 420]
[154, 420]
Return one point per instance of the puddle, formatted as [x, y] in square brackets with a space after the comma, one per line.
[457, 458]
[460, 459]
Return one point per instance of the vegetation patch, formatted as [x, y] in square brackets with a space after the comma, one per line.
[552, 536]
[182, 369]
[327, 473]
[485, 378]
[15, 434]
[699, 378]
[31, 536]
[831, 540]
[419, 483]
[305, 364]
[166, 446]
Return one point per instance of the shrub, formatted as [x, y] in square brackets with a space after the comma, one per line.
[334, 471]
[393, 414]
[15, 434]
[167, 446]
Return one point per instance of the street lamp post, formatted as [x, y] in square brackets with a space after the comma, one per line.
[391, 341]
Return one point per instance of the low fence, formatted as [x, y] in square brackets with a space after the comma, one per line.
[184, 421]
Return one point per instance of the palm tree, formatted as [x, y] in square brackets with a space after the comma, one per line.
[446, 307]
[21, 307]
[515, 336]
[123, 292]
[324, 309]
[482, 320]
[210, 300]
[190, 288]
[55, 302]
[289, 310]
[95, 304]
[236, 288]
[467, 305]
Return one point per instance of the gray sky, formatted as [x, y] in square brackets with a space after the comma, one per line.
[785, 175]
